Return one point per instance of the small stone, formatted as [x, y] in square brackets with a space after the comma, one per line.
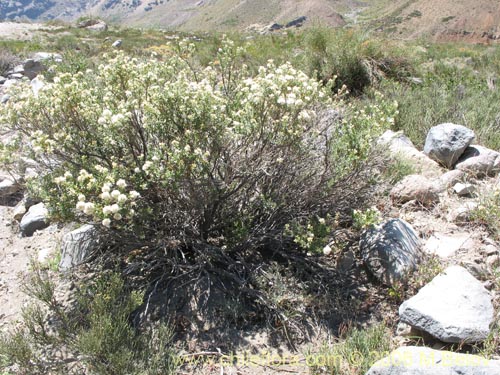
[450, 178]
[117, 43]
[415, 188]
[463, 190]
[35, 219]
[19, 211]
[9, 187]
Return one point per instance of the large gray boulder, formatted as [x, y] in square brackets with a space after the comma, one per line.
[415, 188]
[77, 246]
[35, 219]
[445, 143]
[479, 161]
[454, 307]
[391, 251]
[416, 360]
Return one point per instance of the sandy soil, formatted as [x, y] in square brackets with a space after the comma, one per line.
[15, 256]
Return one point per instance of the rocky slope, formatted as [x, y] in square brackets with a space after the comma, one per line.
[477, 20]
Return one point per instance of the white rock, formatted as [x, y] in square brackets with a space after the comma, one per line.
[8, 187]
[454, 307]
[446, 245]
[463, 190]
[77, 246]
[413, 360]
[117, 43]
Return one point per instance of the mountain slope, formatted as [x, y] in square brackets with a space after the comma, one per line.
[475, 20]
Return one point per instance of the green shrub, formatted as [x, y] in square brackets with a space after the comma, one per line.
[356, 351]
[97, 328]
[147, 147]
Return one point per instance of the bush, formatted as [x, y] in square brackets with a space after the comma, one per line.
[195, 174]
[7, 61]
[150, 147]
[95, 332]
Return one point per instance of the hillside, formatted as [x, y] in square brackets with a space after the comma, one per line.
[446, 20]
[477, 20]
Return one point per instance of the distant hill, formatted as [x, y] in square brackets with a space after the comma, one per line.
[475, 20]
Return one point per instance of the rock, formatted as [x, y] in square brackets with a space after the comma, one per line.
[346, 261]
[36, 85]
[275, 26]
[117, 43]
[463, 213]
[19, 211]
[16, 75]
[464, 190]
[35, 219]
[2, 80]
[417, 360]
[454, 307]
[32, 67]
[9, 187]
[93, 24]
[446, 245]
[77, 246]
[391, 251]
[445, 143]
[99, 26]
[5, 98]
[450, 178]
[297, 22]
[415, 188]
[479, 161]
[401, 146]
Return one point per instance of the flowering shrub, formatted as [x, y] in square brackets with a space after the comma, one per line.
[214, 154]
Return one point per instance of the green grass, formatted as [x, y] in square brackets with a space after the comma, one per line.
[356, 351]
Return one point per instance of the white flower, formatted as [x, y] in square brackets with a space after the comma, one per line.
[122, 198]
[115, 194]
[121, 183]
[89, 208]
[106, 210]
[106, 223]
[106, 187]
[115, 208]
[134, 195]
[80, 206]
[81, 198]
[59, 180]
[117, 216]
[147, 165]
[327, 250]
[322, 221]
[105, 196]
